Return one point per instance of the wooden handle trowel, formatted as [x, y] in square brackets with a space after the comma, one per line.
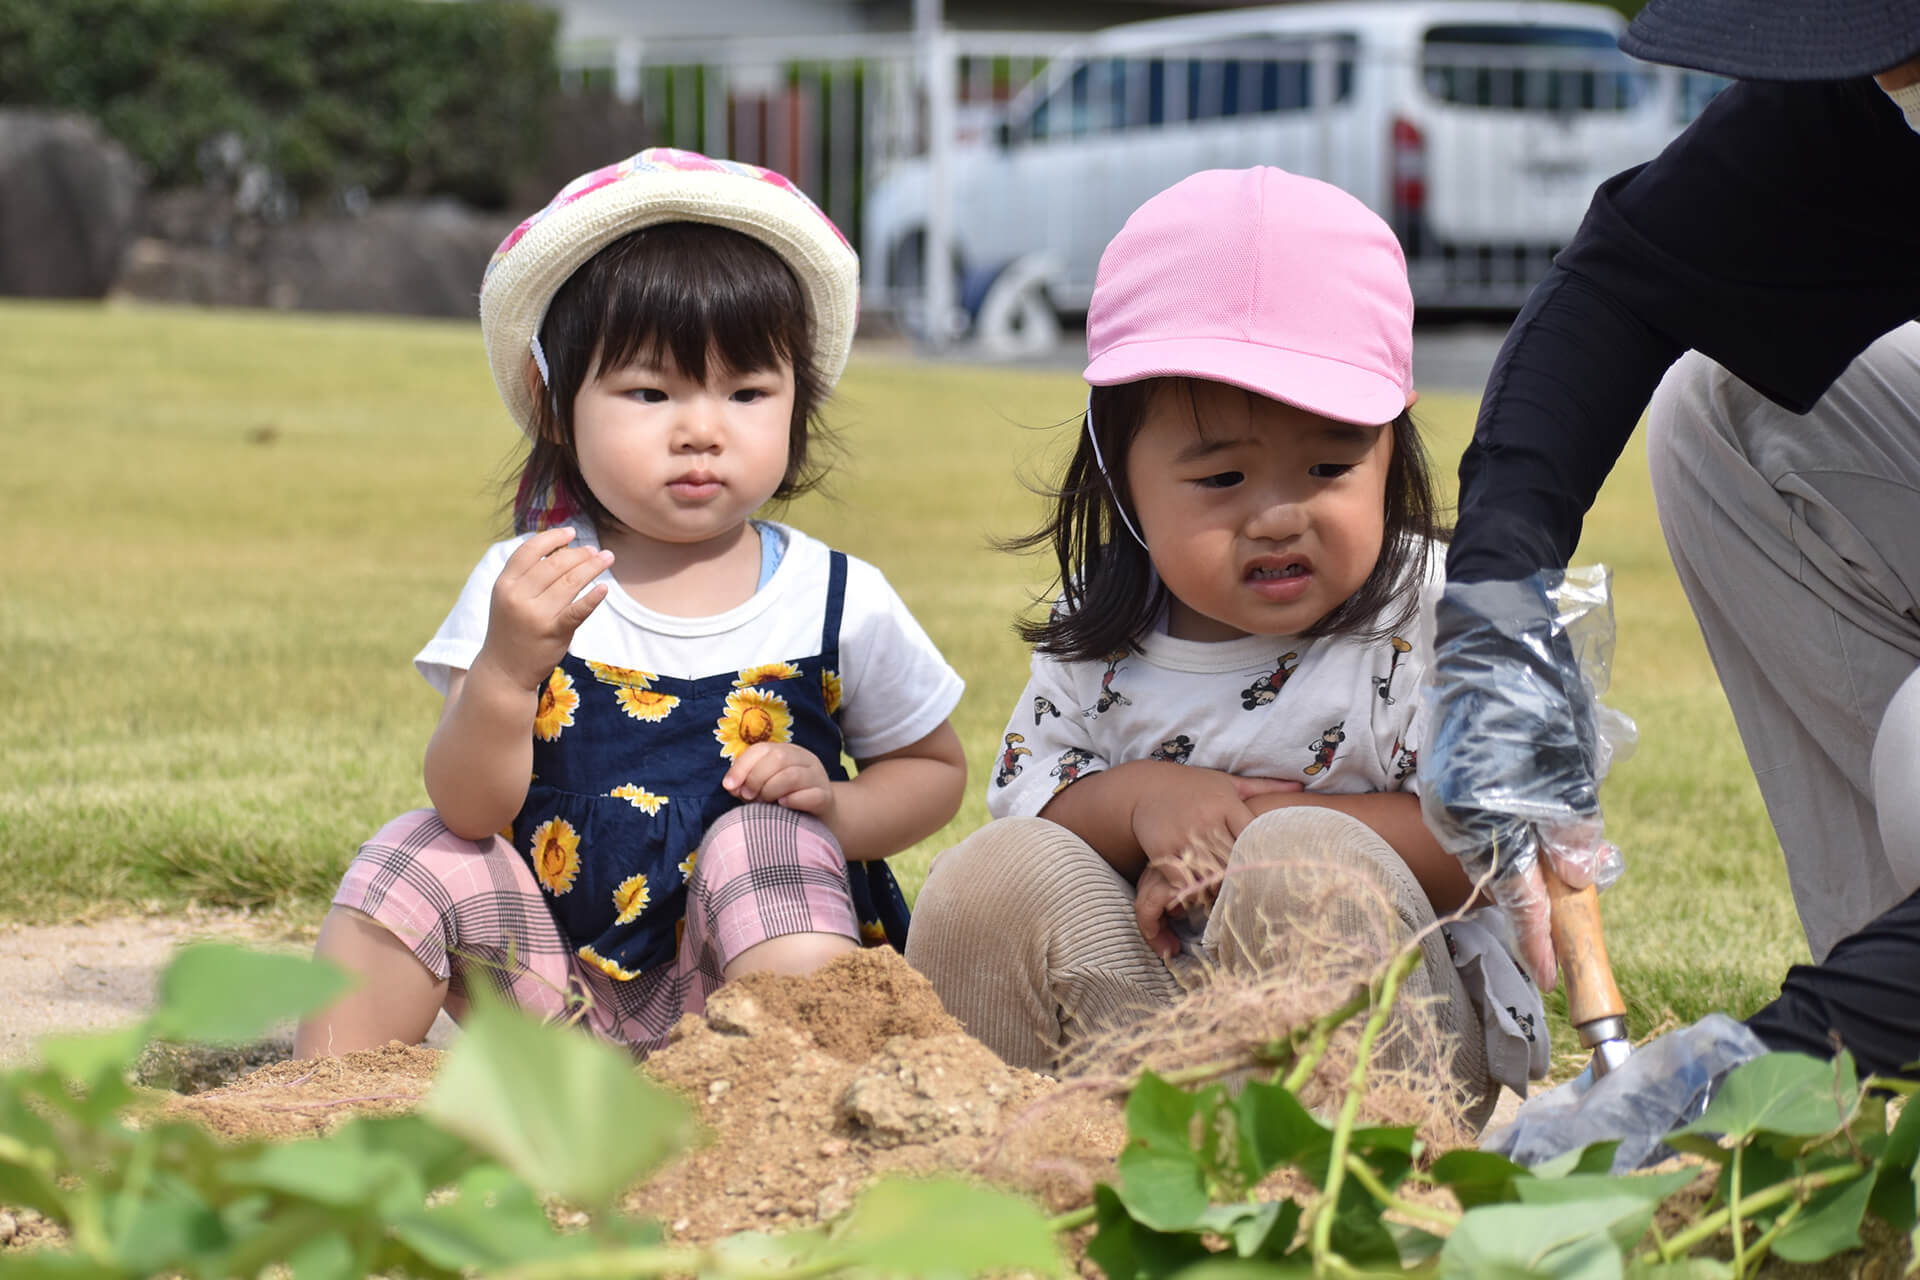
[1594, 1005]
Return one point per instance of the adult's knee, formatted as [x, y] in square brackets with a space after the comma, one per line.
[1686, 407]
[1896, 784]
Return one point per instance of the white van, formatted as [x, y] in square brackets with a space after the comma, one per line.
[1477, 128]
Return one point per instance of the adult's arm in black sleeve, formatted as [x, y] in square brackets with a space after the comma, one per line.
[1567, 389]
[1780, 235]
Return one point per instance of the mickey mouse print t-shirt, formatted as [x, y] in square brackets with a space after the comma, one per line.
[1336, 714]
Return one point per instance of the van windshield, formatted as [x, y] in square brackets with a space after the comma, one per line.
[1528, 67]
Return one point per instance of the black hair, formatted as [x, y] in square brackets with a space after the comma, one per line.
[690, 291]
[1106, 594]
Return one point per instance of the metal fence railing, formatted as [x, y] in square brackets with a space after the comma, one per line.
[1012, 157]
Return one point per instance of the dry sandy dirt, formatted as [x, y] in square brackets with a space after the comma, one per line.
[809, 1087]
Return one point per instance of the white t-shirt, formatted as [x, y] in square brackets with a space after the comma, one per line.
[895, 688]
[1336, 714]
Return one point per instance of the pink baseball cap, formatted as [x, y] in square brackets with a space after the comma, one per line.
[1286, 286]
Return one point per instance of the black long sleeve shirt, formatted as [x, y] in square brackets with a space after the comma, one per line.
[1780, 235]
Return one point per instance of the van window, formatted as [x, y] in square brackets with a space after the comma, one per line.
[1526, 67]
[1253, 77]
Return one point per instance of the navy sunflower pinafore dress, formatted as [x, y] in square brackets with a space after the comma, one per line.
[626, 780]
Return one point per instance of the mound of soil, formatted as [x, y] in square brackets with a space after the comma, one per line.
[808, 1089]
[811, 1087]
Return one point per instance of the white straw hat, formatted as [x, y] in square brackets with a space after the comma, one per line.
[662, 184]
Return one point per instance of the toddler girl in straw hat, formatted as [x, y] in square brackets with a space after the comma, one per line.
[1223, 700]
[636, 780]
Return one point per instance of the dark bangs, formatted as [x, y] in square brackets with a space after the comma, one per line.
[708, 298]
[1107, 594]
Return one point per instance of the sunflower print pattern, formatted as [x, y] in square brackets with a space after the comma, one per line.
[631, 898]
[686, 864]
[612, 968]
[752, 716]
[647, 704]
[640, 798]
[558, 702]
[623, 677]
[830, 689]
[556, 855]
[765, 673]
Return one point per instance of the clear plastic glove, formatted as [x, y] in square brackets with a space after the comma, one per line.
[1664, 1084]
[1516, 741]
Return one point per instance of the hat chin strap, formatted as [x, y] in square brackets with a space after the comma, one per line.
[1101, 462]
[546, 378]
[540, 363]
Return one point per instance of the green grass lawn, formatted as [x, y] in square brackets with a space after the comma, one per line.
[227, 534]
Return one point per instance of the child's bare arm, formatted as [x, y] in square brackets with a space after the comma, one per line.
[1395, 816]
[897, 799]
[1181, 818]
[480, 757]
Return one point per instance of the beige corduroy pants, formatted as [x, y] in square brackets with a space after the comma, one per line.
[1029, 937]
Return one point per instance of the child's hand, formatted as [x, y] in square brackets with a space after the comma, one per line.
[1187, 820]
[1154, 899]
[782, 773]
[535, 610]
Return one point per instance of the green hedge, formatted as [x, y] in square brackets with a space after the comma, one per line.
[397, 96]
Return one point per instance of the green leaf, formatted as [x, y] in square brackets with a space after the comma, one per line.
[1218, 1268]
[946, 1226]
[1760, 1166]
[163, 1229]
[1828, 1225]
[323, 1257]
[1478, 1177]
[1127, 1250]
[492, 1222]
[1781, 1093]
[1699, 1144]
[1576, 1239]
[441, 1158]
[1894, 1185]
[1360, 1233]
[337, 1171]
[86, 1059]
[1252, 1229]
[1415, 1244]
[1583, 1188]
[217, 993]
[1274, 1127]
[1162, 1179]
[1652, 1187]
[568, 1113]
[1595, 1158]
[1681, 1269]
[46, 1264]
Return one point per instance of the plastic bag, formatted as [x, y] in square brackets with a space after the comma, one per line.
[1516, 739]
[1664, 1084]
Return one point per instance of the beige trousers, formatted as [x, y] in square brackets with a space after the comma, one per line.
[1028, 936]
[1797, 538]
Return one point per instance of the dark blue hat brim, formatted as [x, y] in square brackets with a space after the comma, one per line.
[1777, 39]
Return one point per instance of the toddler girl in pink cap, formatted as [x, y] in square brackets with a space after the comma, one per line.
[1223, 698]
